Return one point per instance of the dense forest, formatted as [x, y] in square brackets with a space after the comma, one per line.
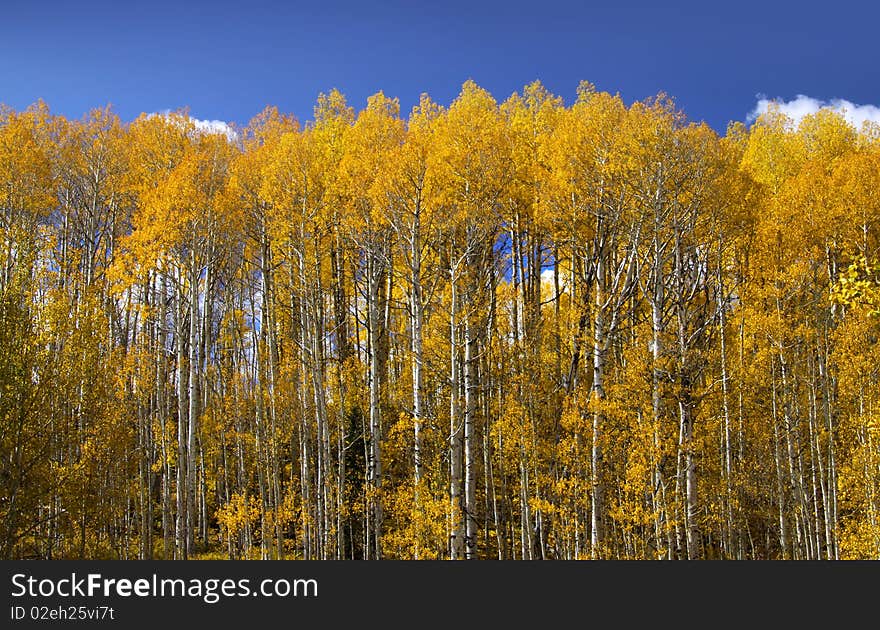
[518, 330]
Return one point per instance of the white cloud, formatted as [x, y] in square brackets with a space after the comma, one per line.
[803, 105]
[209, 126]
[564, 277]
[215, 126]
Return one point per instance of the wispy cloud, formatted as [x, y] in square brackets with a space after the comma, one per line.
[803, 105]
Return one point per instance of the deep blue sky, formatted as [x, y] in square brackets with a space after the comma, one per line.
[227, 60]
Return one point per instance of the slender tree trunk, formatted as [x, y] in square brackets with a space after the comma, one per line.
[193, 413]
[457, 529]
[181, 536]
[470, 385]
[374, 280]
[598, 393]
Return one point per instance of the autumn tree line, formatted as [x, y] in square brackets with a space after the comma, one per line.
[521, 330]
